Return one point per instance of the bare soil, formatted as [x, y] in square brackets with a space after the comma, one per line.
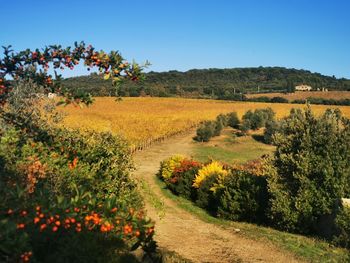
[182, 232]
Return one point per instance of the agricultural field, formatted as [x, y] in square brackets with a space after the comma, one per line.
[299, 95]
[142, 120]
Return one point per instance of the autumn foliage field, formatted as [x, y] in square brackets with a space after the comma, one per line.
[142, 120]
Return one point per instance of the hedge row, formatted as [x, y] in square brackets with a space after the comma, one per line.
[236, 192]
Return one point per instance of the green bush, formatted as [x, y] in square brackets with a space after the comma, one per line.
[342, 223]
[218, 126]
[309, 171]
[278, 100]
[223, 119]
[233, 120]
[205, 131]
[271, 128]
[205, 197]
[257, 119]
[243, 196]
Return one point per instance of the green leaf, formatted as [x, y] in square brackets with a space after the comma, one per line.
[136, 245]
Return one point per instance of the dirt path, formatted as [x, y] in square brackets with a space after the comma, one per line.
[178, 230]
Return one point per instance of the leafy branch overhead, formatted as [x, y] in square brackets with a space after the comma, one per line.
[29, 64]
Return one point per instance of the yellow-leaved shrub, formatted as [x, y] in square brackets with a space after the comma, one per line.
[212, 169]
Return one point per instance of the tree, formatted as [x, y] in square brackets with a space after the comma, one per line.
[25, 64]
[309, 173]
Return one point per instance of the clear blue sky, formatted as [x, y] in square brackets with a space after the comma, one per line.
[185, 34]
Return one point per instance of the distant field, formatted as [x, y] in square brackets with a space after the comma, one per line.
[336, 95]
[144, 119]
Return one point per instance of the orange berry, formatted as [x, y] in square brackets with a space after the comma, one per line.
[24, 213]
[114, 210]
[41, 215]
[67, 221]
[137, 233]
[36, 220]
[55, 228]
[37, 208]
[72, 220]
[20, 226]
[42, 227]
[57, 223]
[9, 212]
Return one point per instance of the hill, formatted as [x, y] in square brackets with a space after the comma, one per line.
[211, 83]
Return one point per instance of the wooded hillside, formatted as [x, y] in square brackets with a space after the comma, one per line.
[211, 83]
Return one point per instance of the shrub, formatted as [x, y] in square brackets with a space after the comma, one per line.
[218, 126]
[74, 184]
[272, 127]
[233, 120]
[342, 223]
[63, 191]
[309, 171]
[223, 119]
[205, 197]
[168, 166]
[279, 100]
[212, 169]
[242, 196]
[182, 178]
[205, 131]
[257, 119]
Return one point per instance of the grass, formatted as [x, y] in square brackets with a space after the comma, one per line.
[305, 248]
[228, 148]
[157, 203]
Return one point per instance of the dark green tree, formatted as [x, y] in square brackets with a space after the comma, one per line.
[309, 173]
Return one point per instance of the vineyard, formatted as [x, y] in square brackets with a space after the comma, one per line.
[145, 120]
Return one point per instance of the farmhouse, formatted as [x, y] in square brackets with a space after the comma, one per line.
[303, 88]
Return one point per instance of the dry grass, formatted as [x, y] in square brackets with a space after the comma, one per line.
[336, 95]
[142, 119]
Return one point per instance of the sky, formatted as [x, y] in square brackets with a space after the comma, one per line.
[186, 34]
